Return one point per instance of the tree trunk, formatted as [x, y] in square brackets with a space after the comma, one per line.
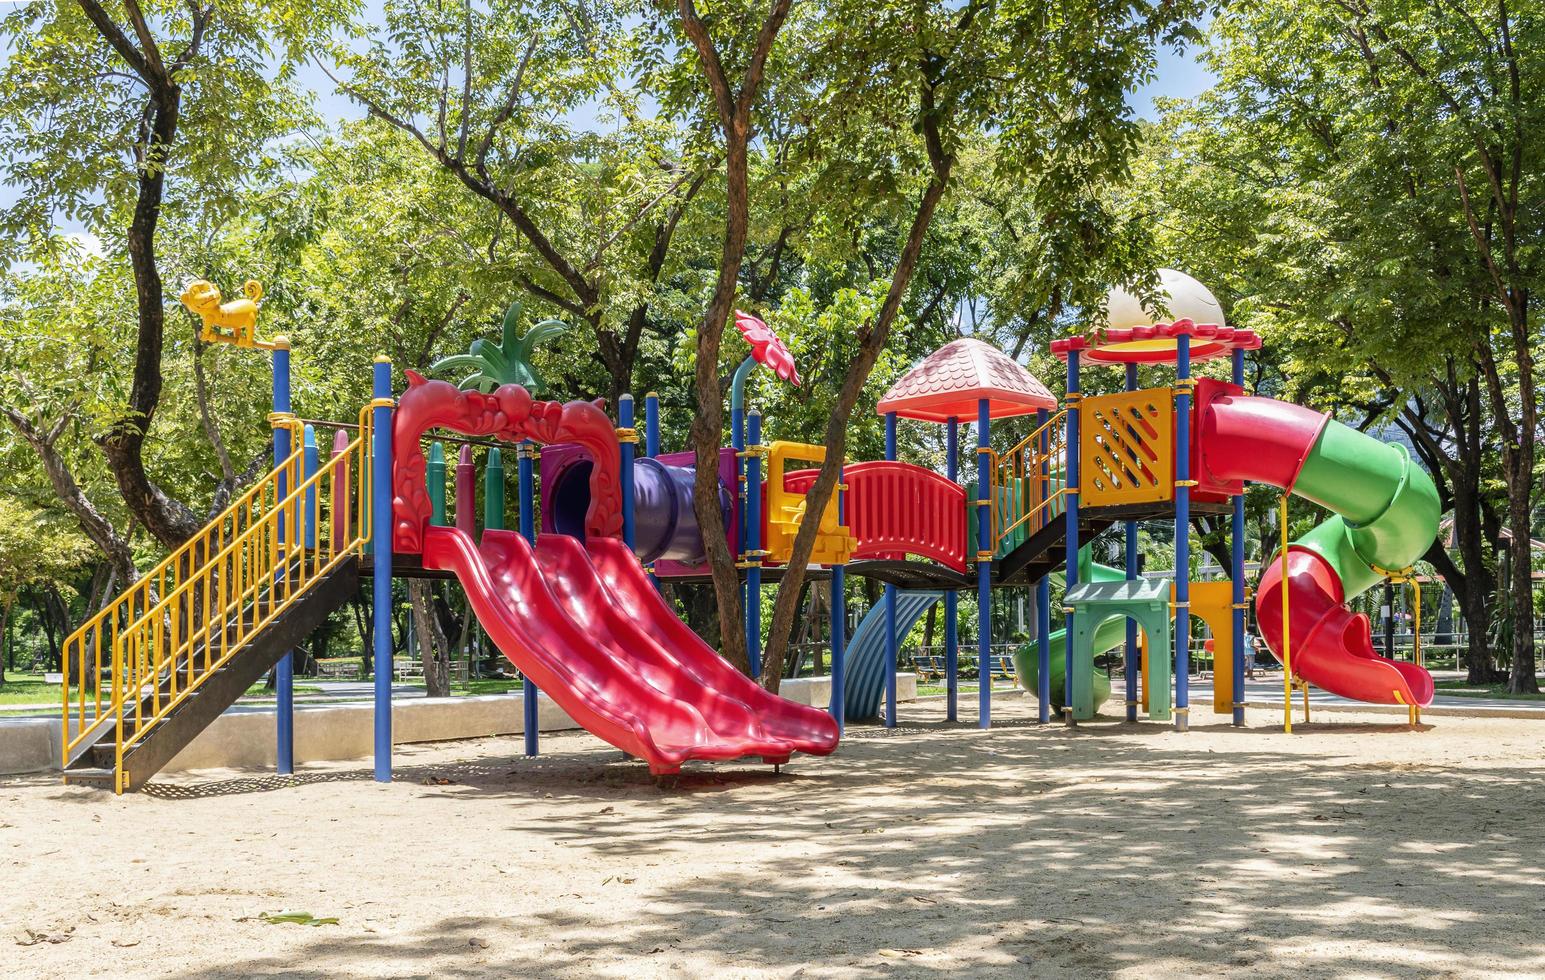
[433, 650]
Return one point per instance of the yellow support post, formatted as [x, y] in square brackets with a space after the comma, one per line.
[1287, 629]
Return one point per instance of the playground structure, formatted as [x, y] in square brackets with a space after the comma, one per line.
[576, 607]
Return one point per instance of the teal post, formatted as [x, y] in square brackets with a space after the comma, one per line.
[434, 480]
[493, 491]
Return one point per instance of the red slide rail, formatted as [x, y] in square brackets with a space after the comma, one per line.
[896, 509]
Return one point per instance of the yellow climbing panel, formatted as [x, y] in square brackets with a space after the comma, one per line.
[1213, 604]
[834, 543]
[1127, 448]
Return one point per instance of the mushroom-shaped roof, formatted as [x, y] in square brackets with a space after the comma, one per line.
[1133, 334]
[1156, 344]
[953, 379]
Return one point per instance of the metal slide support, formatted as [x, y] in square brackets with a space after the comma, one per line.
[1183, 533]
[1237, 572]
[526, 479]
[838, 706]
[381, 571]
[628, 441]
[892, 651]
[1133, 666]
[952, 596]
[1070, 478]
[1043, 592]
[753, 524]
[284, 670]
[984, 552]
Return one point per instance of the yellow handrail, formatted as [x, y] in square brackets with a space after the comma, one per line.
[1040, 459]
[197, 596]
[84, 648]
[162, 645]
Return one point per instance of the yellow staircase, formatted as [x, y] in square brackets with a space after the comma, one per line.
[165, 658]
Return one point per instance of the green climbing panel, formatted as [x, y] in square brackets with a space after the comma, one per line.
[1094, 604]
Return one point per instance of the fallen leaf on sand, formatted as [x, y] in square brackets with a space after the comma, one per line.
[297, 918]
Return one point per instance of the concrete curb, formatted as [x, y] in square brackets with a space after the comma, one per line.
[243, 738]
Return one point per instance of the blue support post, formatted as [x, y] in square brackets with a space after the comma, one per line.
[1043, 590]
[1133, 652]
[284, 670]
[652, 425]
[652, 449]
[838, 705]
[381, 569]
[738, 443]
[1183, 533]
[527, 486]
[892, 650]
[984, 553]
[753, 525]
[1237, 549]
[1070, 477]
[629, 444]
[952, 596]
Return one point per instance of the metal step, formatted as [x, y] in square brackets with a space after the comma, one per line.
[220, 688]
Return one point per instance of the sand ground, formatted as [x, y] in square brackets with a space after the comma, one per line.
[1348, 848]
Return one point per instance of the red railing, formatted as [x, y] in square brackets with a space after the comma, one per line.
[897, 509]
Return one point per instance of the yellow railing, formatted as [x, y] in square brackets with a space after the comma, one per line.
[155, 644]
[1037, 464]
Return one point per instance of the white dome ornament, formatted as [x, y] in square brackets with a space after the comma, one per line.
[1186, 298]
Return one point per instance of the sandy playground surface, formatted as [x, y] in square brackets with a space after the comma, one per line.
[1349, 848]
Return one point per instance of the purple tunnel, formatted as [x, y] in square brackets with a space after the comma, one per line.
[665, 527]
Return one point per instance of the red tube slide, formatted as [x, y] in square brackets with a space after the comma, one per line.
[1386, 517]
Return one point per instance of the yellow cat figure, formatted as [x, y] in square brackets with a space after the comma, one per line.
[232, 323]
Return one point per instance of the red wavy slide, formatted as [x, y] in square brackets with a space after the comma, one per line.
[593, 633]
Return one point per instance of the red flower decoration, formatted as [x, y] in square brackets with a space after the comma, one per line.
[766, 347]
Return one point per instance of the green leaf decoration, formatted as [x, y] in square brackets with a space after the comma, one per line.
[507, 362]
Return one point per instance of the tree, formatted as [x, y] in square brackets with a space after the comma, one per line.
[1326, 180]
[108, 111]
[36, 549]
[490, 96]
[886, 98]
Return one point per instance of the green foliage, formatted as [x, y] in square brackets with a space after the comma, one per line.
[507, 362]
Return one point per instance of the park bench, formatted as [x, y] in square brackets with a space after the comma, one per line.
[338, 669]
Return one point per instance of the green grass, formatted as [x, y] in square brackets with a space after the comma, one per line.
[1460, 688]
[27, 689]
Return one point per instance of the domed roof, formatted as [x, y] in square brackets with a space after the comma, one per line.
[1133, 334]
[951, 381]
